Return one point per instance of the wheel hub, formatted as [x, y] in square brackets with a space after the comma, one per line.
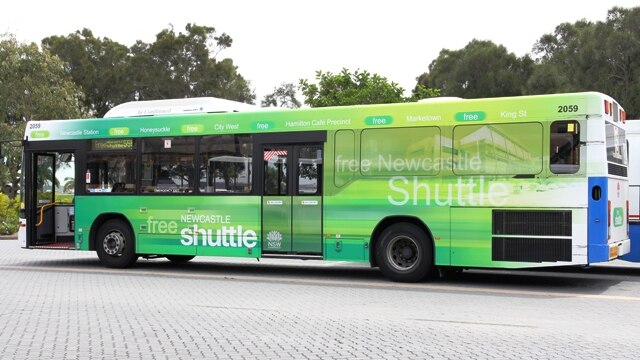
[403, 253]
[113, 243]
[406, 253]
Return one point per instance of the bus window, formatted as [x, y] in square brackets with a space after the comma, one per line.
[110, 173]
[617, 154]
[309, 170]
[497, 149]
[276, 173]
[167, 165]
[565, 147]
[402, 151]
[111, 165]
[225, 164]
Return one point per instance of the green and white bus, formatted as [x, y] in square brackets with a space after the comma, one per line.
[513, 182]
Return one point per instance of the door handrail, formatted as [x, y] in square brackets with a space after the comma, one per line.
[42, 209]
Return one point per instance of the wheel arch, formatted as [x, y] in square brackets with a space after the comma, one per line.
[101, 220]
[391, 220]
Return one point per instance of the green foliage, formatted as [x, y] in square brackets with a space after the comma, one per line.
[98, 66]
[282, 96]
[422, 92]
[9, 221]
[33, 85]
[547, 79]
[583, 56]
[185, 65]
[587, 56]
[173, 66]
[480, 69]
[346, 88]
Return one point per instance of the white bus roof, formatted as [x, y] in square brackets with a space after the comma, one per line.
[440, 99]
[178, 106]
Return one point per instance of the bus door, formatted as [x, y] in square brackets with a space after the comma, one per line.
[292, 199]
[50, 212]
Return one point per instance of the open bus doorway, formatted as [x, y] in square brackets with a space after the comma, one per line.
[50, 207]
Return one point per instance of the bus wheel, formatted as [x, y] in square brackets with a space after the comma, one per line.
[404, 253]
[115, 244]
[180, 258]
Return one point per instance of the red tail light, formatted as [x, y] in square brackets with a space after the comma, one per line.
[627, 217]
[606, 107]
[609, 219]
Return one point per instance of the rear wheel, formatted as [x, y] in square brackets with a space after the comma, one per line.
[180, 258]
[404, 253]
[115, 244]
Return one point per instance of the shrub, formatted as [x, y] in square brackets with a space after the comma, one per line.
[8, 215]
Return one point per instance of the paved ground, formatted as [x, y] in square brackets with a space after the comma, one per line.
[64, 305]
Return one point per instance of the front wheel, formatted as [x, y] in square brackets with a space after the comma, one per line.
[115, 244]
[404, 253]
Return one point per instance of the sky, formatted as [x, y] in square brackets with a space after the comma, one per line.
[280, 41]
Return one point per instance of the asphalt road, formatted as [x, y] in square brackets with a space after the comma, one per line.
[65, 305]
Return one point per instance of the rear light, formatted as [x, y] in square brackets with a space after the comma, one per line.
[608, 107]
[609, 219]
[627, 218]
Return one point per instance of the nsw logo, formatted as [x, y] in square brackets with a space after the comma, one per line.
[274, 239]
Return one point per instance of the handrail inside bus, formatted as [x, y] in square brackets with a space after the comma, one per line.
[42, 209]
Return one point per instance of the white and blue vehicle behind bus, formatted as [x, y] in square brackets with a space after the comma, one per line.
[633, 137]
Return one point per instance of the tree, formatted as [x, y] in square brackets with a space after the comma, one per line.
[185, 65]
[282, 96]
[547, 79]
[346, 88]
[33, 86]
[173, 66]
[422, 92]
[480, 69]
[97, 65]
[587, 56]
[69, 184]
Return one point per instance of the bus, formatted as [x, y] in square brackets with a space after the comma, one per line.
[633, 138]
[410, 188]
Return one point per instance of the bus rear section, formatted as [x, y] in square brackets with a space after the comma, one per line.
[633, 138]
[609, 205]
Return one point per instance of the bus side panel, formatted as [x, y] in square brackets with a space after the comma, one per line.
[471, 237]
[179, 225]
[352, 214]
[598, 220]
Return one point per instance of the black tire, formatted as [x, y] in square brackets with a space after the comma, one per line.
[115, 244]
[404, 253]
[180, 258]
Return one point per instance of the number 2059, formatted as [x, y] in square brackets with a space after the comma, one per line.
[567, 108]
